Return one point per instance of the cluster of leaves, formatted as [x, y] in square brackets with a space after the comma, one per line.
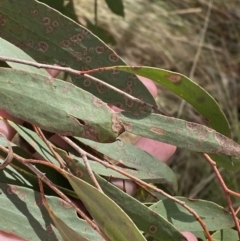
[38, 35]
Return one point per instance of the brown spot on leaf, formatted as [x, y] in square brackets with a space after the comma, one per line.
[65, 204]
[49, 229]
[174, 78]
[87, 82]
[46, 21]
[64, 89]
[78, 173]
[97, 102]
[113, 57]
[101, 88]
[74, 38]
[65, 43]
[42, 46]
[34, 12]
[49, 29]
[12, 189]
[117, 125]
[99, 49]
[88, 59]
[129, 83]
[2, 21]
[79, 37]
[55, 24]
[30, 43]
[128, 126]
[49, 80]
[157, 130]
[128, 102]
[84, 31]
[90, 133]
[192, 126]
[152, 229]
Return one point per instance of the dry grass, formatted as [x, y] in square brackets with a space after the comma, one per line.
[168, 34]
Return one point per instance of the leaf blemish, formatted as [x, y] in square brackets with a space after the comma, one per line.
[152, 229]
[2, 21]
[174, 78]
[157, 130]
[113, 57]
[46, 21]
[42, 46]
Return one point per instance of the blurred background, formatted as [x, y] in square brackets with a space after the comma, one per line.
[198, 38]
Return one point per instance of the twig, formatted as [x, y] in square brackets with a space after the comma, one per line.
[9, 157]
[86, 74]
[85, 160]
[43, 178]
[142, 183]
[42, 136]
[225, 189]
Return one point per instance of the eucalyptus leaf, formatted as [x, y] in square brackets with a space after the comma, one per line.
[49, 37]
[56, 106]
[22, 213]
[180, 133]
[146, 220]
[226, 235]
[188, 90]
[136, 162]
[109, 217]
[213, 215]
[194, 94]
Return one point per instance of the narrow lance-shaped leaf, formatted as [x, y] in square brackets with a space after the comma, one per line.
[146, 220]
[49, 37]
[188, 90]
[181, 133]
[136, 162]
[214, 216]
[109, 217]
[56, 106]
[226, 235]
[67, 233]
[22, 213]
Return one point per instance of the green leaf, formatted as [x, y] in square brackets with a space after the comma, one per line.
[109, 217]
[116, 6]
[188, 90]
[35, 141]
[49, 37]
[180, 133]
[56, 106]
[226, 235]
[9, 50]
[24, 177]
[23, 214]
[67, 233]
[146, 220]
[215, 217]
[136, 162]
